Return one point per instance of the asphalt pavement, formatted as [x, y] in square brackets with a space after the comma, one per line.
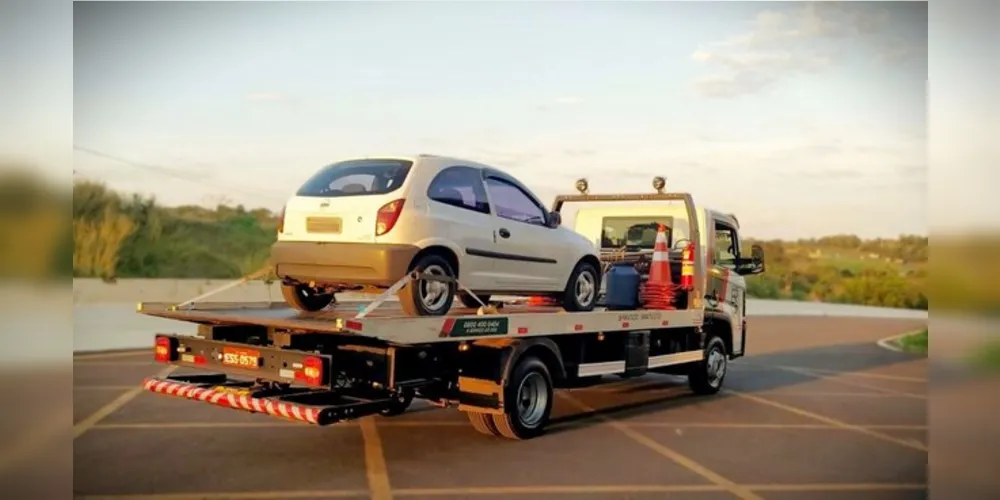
[815, 410]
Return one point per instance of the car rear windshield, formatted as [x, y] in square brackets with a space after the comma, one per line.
[357, 178]
[632, 233]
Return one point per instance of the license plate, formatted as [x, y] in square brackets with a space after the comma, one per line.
[238, 391]
[241, 358]
[323, 225]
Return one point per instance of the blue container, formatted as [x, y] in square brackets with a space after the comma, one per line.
[622, 287]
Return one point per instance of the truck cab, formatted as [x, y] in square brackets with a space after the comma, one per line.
[624, 228]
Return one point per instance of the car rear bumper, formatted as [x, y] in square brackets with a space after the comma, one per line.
[342, 263]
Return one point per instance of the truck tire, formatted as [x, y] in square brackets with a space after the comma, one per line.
[470, 302]
[706, 376]
[400, 403]
[527, 401]
[417, 297]
[582, 288]
[305, 298]
[482, 423]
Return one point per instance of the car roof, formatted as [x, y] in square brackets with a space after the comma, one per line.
[425, 160]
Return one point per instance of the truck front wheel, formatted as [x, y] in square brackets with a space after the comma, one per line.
[527, 401]
[706, 376]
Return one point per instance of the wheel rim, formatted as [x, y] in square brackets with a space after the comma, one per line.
[584, 288]
[532, 399]
[433, 294]
[716, 365]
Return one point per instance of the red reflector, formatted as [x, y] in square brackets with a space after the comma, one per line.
[353, 325]
[625, 324]
[199, 360]
[664, 323]
[162, 350]
[521, 330]
[577, 328]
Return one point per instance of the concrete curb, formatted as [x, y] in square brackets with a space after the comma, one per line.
[889, 342]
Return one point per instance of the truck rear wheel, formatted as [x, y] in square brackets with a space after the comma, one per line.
[304, 298]
[707, 375]
[527, 401]
[482, 423]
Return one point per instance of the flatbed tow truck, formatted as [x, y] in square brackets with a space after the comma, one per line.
[499, 364]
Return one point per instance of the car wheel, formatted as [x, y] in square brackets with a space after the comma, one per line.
[470, 301]
[425, 297]
[306, 299]
[582, 288]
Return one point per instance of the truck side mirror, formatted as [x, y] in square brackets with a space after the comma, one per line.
[753, 265]
[555, 220]
[756, 263]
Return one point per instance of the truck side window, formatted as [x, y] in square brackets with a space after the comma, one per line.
[726, 246]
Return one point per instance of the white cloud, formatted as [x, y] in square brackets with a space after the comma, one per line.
[781, 44]
[561, 102]
[266, 96]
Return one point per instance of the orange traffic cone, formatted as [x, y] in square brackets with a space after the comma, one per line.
[658, 291]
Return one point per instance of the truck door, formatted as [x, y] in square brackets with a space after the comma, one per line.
[726, 290]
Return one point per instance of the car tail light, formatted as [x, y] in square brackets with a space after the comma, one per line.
[162, 350]
[387, 216]
[281, 220]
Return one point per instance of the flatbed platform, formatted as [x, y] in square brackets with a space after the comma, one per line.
[388, 322]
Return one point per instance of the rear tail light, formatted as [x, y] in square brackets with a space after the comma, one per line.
[281, 220]
[162, 350]
[312, 371]
[387, 216]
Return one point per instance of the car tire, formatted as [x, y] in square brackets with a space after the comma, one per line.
[706, 376]
[531, 384]
[470, 301]
[413, 297]
[306, 299]
[574, 298]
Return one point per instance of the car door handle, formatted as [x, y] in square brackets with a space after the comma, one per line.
[504, 233]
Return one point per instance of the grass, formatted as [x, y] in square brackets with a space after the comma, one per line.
[915, 343]
[988, 358]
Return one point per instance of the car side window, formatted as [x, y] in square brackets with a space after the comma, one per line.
[460, 187]
[513, 203]
[726, 246]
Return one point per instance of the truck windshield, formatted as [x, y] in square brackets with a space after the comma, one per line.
[632, 233]
[357, 178]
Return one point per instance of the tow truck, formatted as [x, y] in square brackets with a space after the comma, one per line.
[499, 363]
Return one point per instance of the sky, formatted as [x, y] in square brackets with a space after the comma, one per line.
[804, 119]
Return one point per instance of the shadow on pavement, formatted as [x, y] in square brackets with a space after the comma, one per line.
[751, 374]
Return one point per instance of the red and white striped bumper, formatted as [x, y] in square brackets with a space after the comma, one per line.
[237, 402]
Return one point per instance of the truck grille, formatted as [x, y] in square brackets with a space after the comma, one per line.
[323, 225]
